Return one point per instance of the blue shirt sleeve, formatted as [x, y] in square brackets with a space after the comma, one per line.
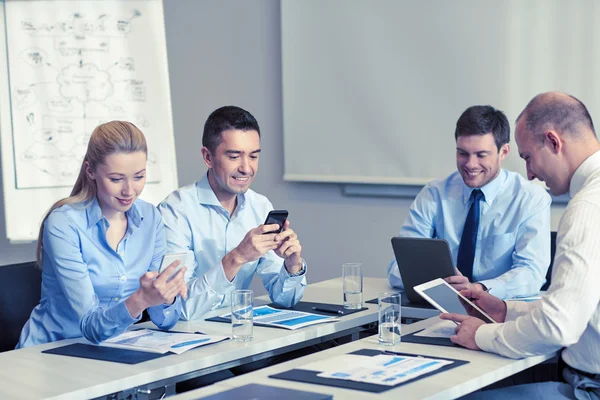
[163, 316]
[531, 254]
[420, 222]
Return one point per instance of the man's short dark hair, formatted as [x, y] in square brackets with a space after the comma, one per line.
[563, 113]
[481, 120]
[224, 119]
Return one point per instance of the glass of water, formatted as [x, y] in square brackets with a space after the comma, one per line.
[241, 315]
[352, 281]
[389, 318]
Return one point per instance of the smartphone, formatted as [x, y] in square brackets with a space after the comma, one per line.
[276, 217]
[168, 259]
[445, 298]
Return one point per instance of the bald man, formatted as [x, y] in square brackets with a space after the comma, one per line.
[556, 138]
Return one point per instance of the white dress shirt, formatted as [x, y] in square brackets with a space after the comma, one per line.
[568, 315]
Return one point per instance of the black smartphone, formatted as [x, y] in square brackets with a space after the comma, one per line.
[276, 217]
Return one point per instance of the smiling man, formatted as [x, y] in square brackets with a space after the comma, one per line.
[218, 221]
[496, 223]
[556, 138]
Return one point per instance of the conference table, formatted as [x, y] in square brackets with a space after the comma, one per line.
[481, 370]
[29, 374]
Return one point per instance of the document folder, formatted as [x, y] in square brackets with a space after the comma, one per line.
[102, 353]
[307, 376]
[262, 392]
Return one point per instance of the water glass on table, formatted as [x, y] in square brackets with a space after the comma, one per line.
[389, 318]
[241, 315]
[352, 281]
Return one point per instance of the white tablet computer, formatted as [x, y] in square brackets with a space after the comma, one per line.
[446, 299]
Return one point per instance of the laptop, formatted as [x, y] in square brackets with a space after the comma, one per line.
[421, 260]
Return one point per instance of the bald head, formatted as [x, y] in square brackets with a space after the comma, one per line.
[559, 112]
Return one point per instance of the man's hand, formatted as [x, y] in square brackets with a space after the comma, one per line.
[461, 282]
[465, 332]
[491, 305]
[289, 249]
[254, 245]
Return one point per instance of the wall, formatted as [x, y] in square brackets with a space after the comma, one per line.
[228, 52]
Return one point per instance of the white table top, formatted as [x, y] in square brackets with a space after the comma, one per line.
[482, 370]
[27, 374]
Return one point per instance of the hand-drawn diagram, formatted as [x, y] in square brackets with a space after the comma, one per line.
[72, 70]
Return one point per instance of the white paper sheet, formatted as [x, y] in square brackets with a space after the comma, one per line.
[161, 341]
[442, 329]
[388, 370]
[288, 319]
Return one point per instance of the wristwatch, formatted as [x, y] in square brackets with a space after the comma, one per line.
[301, 272]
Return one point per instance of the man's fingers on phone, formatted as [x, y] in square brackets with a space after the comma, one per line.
[269, 228]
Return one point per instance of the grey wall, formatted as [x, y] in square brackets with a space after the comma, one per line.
[228, 52]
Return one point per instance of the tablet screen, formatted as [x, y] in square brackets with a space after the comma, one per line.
[452, 303]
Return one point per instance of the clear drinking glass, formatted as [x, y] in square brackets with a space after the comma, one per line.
[352, 281]
[241, 315]
[389, 318]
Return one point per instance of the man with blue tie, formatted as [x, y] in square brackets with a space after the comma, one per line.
[496, 222]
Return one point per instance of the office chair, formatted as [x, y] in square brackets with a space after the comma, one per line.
[20, 292]
[552, 251]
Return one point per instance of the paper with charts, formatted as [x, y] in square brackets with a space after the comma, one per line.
[287, 319]
[383, 369]
[76, 64]
[161, 341]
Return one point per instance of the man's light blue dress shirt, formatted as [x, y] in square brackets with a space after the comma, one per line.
[513, 241]
[85, 282]
[197, 223]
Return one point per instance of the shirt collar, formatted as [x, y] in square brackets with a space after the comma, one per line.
[587, 167]
[490, 190]
[206, 195]
[94, 213]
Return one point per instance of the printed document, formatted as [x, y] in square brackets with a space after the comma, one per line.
[288, 319]
[442, 329]
[161, 341]
[384, 369]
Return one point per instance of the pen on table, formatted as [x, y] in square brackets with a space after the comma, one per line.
[329, 310]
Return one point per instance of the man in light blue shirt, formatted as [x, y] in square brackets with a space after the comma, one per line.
[512, 246]
[218, 221]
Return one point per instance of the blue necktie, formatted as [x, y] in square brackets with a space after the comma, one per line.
[468, 240]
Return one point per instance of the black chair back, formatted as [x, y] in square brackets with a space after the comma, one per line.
[552, 252]
[20, 292]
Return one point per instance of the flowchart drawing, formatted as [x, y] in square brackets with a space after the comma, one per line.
[72, 70]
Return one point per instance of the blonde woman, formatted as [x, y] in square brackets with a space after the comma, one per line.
[100, 249]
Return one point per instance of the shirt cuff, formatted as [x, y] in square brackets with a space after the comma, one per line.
[120, 314]
[218, 282]
[485, 335]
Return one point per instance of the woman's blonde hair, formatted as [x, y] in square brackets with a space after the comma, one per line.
[109, 138]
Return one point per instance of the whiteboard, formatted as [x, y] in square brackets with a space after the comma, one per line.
[372, 89]
[69, 66]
